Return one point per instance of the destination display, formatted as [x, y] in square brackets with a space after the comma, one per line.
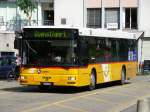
[51, 34]
[48, 33]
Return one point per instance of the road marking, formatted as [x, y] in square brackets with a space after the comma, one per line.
[122, 106]
[101, 100]
[72, 108]
[62, 101]
[83, 96]
[139, 88]
[4, 93]
[142, 87]
[127, 104]
[58, 102]
[121, 93]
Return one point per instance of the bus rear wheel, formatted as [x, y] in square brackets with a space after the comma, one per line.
[92, 84]
[123, 76]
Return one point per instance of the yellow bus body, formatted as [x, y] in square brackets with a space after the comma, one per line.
[77, 76]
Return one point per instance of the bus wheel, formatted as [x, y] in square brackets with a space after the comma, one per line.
[92, 84]
[123, 76]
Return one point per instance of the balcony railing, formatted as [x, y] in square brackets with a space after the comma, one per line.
[16, 25]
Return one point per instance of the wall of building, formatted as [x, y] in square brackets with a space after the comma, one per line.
[93, 3]
[111, 3]
[129, 3]
[70, 12]
[146, 47]
[143, 25]
[119, 5]
[7, 42]
[11, 17]
[144, 17]
[75, 14]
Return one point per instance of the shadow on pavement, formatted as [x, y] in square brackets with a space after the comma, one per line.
[61, 90]
[34, 89]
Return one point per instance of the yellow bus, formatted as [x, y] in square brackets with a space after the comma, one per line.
[56, 56]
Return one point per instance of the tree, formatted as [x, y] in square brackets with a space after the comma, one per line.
[27, 6]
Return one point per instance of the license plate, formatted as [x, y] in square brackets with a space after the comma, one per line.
[46, 83]
[46, 78]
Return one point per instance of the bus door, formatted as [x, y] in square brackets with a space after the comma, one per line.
[83, 59]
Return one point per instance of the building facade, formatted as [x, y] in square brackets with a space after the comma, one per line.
[120, 14]
[144, 25]
[12, 19]
[127, 15]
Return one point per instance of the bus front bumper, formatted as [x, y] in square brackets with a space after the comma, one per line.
[55, 80]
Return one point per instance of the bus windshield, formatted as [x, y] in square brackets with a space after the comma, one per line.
[50, 52]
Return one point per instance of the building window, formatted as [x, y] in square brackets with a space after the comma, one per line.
[49, 17]
[112, 17]
[131, 18]
[94, 17]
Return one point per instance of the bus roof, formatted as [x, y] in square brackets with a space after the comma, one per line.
[97, 32]
[110, 33]
[57, 27]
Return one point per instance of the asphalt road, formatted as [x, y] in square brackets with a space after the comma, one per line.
[110, 97]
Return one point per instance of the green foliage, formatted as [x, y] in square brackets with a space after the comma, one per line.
[27, 6]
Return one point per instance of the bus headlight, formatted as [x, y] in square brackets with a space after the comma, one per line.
[38, 71]
[72, 78]
[23, 77]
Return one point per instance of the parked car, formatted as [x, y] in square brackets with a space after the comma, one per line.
[7, 67]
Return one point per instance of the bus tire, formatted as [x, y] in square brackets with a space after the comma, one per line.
[123, 76]
[92, 84]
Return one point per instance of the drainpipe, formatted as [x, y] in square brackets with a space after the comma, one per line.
[83, 13]
[120, 11]
[37, 12]
[16, 16]
[103, 15]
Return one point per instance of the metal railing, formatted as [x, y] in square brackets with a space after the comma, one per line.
[16, 25]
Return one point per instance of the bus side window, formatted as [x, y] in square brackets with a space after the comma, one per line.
[114, 53]
[123, 50]
[83, 51]
[92, 50]
[100, 50]
[107, 53]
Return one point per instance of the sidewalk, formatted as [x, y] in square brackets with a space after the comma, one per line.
[139, 79]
